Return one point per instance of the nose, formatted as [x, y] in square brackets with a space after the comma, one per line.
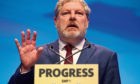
[72, 16]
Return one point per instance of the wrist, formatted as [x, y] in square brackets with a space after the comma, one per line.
[24, 70]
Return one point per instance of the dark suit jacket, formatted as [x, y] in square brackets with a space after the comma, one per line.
[95, 54]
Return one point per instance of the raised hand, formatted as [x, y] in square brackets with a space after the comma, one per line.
[27, 50]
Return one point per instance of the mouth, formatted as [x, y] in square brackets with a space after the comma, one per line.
[72, 26]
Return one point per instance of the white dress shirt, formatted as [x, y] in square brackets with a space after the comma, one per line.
[76, 48]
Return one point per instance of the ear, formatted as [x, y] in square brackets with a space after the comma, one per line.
[55, 20]
[87, 23]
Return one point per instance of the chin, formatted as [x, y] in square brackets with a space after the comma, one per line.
[72, 34]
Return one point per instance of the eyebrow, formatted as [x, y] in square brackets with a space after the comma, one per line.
[75, 10]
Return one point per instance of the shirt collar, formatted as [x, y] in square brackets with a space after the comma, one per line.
[78, 46]
[61, 44]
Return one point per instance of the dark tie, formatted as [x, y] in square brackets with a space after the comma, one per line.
[68, 48]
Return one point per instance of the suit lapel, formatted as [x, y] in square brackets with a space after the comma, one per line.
[86, 53]
[53, 56]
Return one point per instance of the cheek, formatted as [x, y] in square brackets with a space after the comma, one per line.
[83, 23]
[61, 25]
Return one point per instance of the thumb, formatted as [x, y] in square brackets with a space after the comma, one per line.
[39, 51]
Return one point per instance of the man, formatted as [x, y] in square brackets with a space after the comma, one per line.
[71, 21]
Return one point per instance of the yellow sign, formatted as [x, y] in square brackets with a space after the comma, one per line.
[66, 74]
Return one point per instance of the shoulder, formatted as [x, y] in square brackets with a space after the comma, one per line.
[98, 48]
[48, 45]
[102, 51]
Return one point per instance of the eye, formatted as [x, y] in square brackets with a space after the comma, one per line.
[65, 13]
[79, 13]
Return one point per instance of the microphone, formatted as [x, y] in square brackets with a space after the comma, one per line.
[51, 48]
[88, 46]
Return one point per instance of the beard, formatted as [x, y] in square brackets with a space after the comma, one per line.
[74, 35]
[71, 34]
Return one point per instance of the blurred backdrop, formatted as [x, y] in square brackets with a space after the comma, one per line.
[114, 24]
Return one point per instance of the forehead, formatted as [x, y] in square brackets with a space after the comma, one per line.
[73, 5]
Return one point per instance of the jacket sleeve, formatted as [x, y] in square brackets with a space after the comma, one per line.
[18, 78]
[112, 75]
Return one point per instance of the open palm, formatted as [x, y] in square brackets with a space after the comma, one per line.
[27, 50]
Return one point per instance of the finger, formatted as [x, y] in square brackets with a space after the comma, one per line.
[34, 38]
[40, 49]
[17, 44]
[28, 37]
[23, 39]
